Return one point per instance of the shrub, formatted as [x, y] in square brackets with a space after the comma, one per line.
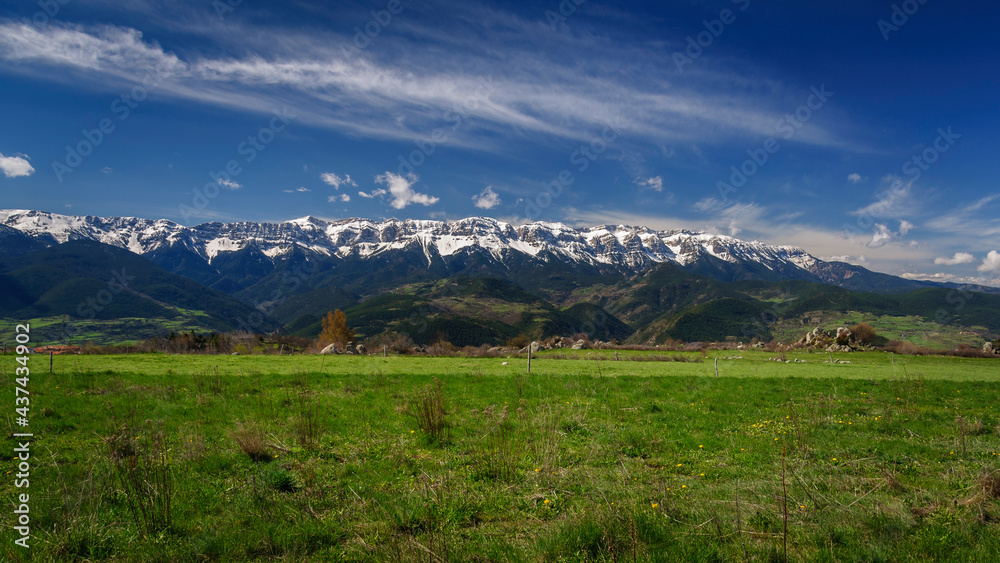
[864, 334]
[519, 341]
[392, 341]
[906, 348]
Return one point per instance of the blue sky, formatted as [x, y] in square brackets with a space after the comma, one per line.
[862, 131]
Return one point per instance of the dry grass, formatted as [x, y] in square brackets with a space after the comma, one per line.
[428, 407]
[144, 474]
[250, 438]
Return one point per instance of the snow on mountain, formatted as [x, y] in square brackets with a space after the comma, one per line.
[623, 247]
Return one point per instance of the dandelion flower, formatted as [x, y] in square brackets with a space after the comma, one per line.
[546, 501]
[655, 505]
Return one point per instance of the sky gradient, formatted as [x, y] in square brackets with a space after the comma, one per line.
[861, 131]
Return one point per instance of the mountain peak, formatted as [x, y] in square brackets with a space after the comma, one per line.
[621, 248]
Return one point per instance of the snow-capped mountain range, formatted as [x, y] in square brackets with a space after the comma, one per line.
[625, 248]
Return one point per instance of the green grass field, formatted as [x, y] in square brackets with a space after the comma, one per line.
[345, 458]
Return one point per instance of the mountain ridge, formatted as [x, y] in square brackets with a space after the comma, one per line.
[203, 251]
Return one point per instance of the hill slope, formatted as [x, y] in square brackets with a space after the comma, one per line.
[88, 281]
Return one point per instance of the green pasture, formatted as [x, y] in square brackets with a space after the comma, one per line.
[346, 458]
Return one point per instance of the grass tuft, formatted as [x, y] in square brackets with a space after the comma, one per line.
[249, 436]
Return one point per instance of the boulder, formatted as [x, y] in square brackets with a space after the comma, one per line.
[988, 348]
[331, 349]
[810, 337]
[534, 347]
[579, 345]
[361, 349]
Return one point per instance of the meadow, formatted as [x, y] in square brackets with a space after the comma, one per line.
[158, 457]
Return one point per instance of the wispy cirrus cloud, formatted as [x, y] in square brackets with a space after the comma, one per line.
[893, 201]
[366, 93]
[654, 183]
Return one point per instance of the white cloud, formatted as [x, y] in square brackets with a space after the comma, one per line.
[959, 258]
[487, 199]
[734, 228]
[401, 190]
[905, 227]
[300, 190]
[860, 260]
[655, 183]
[336, 181]
[942, 277]
[881, 236]
[342, 197]
[854, 178]
[374, 194]
[107, 170]
[229, 184]
[991, 263]
[15, 166]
